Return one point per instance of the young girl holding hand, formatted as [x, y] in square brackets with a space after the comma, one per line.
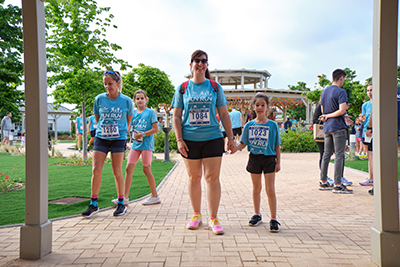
[263, 141]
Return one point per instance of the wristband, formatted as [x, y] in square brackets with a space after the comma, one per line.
[179, 139]
[144, 134]
[369, 128]
[231, 138]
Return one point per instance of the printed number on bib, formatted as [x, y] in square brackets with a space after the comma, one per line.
[109, 131]
[199, 117]
[258, 133]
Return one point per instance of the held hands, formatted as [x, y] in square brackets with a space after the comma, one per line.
[231, 146]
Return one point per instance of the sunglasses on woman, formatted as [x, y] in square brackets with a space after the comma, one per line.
[204, 60]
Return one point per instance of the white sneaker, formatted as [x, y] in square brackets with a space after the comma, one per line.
[126, 201]
[367, 182]
[152, 201]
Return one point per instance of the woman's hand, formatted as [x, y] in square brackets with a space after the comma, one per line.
[182, 148]
[231, 146]
[137, 135]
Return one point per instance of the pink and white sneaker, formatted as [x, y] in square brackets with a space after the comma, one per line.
[195, 222]
[215, 227]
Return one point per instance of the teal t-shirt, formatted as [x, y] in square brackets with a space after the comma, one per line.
[143, 122]
[261, 138]
[199, 103]
[93, 123]
[366, 110]
[113, 123]
[235, 119]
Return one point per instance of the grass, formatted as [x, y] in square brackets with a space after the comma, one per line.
[72, 181]
[362, 165]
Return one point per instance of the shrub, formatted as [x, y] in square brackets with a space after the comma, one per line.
[159, 138]
[298, 141]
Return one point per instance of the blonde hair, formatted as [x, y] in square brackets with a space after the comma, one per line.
[116, 76]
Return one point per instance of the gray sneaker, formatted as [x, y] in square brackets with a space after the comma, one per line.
[341, 189]
[326, 186]
[152, 201]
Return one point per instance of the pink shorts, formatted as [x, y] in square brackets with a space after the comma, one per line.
[358, 138]
[135, 154]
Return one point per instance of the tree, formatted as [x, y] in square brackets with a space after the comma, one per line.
[11, 66]
[298, 113]
[153, 81]
[76, 44]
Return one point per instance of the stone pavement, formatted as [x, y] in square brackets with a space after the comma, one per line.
[319, 228]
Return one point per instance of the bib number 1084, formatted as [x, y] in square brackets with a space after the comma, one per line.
[199, 117]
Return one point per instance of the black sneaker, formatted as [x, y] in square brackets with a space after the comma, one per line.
[274, 228]
[90, 211]
[326, 186]
[341, 189]
[255, 220]
[371, 191]
[120, 210]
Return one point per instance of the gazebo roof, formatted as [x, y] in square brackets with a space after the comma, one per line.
[234, 76]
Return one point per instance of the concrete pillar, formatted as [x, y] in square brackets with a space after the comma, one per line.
[242, 81]
[385, 235]
[261, 82]
[36, 234]
[216, 78]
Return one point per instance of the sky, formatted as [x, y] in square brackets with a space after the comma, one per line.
[294, 40]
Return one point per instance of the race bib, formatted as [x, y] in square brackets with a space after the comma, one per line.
[199, 117]
[109, 130]
[95, 126]
[257, 132]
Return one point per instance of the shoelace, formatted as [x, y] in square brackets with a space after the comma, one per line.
[195, 217]
[215, 222]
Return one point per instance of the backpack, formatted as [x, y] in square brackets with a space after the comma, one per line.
[184, 85]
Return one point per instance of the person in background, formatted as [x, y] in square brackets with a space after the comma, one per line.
[79, 130]
[92, 127]
[6, 127]
[237, 121]
[288, 124]
[294, 123]
[333, 108]
[160, 124]
[366, 111]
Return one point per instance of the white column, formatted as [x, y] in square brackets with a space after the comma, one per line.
[261, 82]
[385, 235]
[216, 78]
[36, 234]
[242, 81]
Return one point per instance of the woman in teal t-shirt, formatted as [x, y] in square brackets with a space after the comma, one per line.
[199, 138]
[113, 112]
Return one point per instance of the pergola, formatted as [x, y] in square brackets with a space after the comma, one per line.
[241, 97]
[36, 233]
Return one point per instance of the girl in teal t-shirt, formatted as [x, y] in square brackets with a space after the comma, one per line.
[263, 141]
[144, 124]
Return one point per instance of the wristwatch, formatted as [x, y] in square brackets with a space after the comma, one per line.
[144, 134]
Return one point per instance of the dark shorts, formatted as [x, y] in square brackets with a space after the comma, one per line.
[93, 133]
[224, 134]
[367, 144]
[261, 163]
[103, 145]
[205, 149]
[237, 131]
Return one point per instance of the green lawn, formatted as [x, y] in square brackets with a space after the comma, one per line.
[362, 165]
[70, 181]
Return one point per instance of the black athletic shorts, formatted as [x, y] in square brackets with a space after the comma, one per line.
[224, 134]
[104, 145]
[93, 133]
[261, 163]
[367, 144]
[237, 131]
[205, 149]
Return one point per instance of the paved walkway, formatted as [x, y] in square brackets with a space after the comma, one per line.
[319, 228]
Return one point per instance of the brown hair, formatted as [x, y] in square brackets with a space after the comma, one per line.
[116, 76]
[140, 91]
[199, 53]
[258, 95]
